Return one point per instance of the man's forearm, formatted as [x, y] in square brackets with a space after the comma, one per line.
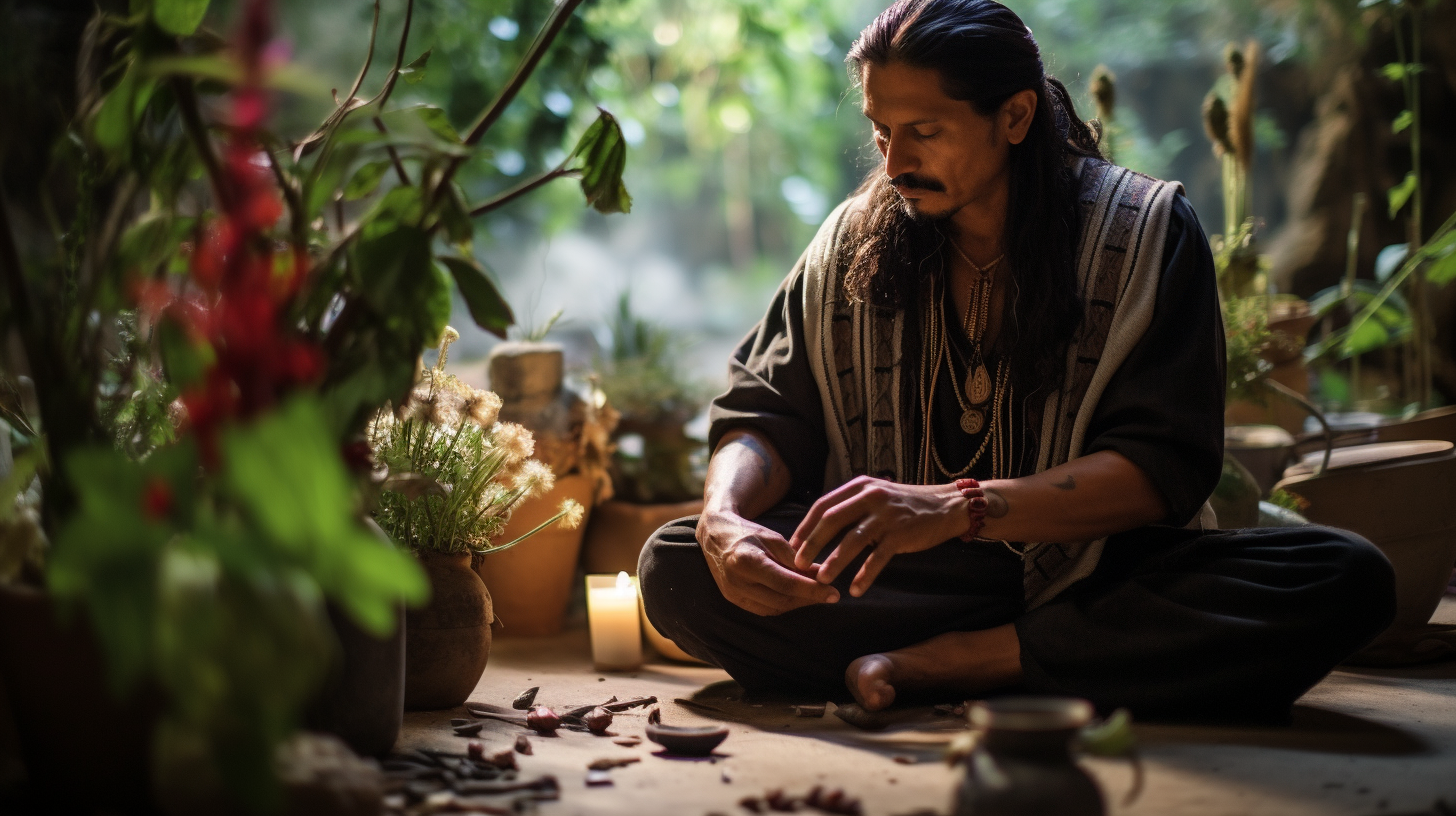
[1085, 499]
[746, 476]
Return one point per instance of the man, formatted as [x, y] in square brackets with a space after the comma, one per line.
[997, 374]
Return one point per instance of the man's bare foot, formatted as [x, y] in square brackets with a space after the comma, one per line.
[871, 679]
[961, 662]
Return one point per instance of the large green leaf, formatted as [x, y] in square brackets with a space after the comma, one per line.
[121, 109]
[1401, 193]
[489, 310]
[400, 282]
[603, 154]
[180, 17]
[286, 471]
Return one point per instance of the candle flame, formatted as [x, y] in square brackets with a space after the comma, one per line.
[624, 582]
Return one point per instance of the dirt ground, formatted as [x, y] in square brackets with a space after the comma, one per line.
[1364, 741]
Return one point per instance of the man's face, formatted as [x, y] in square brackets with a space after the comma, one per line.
[940, 154]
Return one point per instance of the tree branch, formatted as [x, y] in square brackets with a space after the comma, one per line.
[522, 189]
[368, 57]
[393, 154]
[409, 13]
[557, 21]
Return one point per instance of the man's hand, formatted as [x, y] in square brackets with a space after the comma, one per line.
[754, 566]
[887, 518]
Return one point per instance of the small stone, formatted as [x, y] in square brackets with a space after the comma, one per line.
[523, 745]
[598, 720]
[542, 720]
[524, 700]
[469, 729]
[475, 751]
[596, 779]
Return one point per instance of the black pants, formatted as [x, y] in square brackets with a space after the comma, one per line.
[1173, 623]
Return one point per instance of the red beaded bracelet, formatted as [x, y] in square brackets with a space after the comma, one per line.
[976, 503]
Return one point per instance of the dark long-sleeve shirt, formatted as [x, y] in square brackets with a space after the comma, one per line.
[1163, 409]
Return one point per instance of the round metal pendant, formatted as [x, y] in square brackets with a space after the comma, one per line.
[972, 421]
[978, 386]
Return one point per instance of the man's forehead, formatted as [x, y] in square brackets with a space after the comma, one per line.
[905, 94]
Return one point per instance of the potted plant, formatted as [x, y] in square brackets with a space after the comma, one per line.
[451, 477]
[200, 350]
[656, 466]
[535, 583]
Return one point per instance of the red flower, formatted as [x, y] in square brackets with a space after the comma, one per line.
[157, 499]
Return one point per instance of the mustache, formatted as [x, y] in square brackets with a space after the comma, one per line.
[910, 181]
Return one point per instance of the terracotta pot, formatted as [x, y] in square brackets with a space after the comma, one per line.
[618, 530]
[362, 700]
[1437, 423]
[84, 751]
[447, 642]
[1398, 495]
[1264, 449]
[532, 581]
[1023, 763]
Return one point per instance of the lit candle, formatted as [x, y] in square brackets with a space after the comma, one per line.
[616, 635]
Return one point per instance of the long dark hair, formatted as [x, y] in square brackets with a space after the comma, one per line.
[984, 53]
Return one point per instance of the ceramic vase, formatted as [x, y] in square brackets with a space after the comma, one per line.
[447, 642]
[362, 700]
[1023, 764]
[533, 581]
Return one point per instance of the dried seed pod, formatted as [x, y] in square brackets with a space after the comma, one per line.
[523, 745]
[475, 751]
[524, 700]
[542, 720]
[598, 720]
[780, 801]
[505, 760]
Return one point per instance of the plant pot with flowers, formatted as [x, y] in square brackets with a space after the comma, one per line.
[452, 476]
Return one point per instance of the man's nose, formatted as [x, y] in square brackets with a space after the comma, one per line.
[899, 158]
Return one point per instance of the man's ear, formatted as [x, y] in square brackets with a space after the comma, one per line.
[1016, 115]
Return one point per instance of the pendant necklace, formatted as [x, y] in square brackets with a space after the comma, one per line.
[978, 387]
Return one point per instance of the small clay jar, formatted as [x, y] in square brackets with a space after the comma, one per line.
[447, 642]
[1023, 763]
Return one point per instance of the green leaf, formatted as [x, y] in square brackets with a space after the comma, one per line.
[1398, 71]
[184, 359]
[1113, 737]
[179, 17]
[455, 217]
[121, 109]
[1367, 336]
[1402, 121]
[414, 73]
[603, 154]
[1401, 193]
[286, 471]
[1442, 251]
[365, 180]
[421, 121]
[400, 282]
[489, 310]
[400, 207]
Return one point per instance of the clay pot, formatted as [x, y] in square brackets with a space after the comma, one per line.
[619, 529]
[1265, 450]
[532, 581]
[362, 700]
[447, 642]
[84, 750]
[1023, 763]
[1398, 495]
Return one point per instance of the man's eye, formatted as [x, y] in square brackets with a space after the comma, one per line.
[919, 135]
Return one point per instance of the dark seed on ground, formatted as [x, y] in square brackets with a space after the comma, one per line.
[459, 721]
[505, 760]
[905, 760]
[598, 720]
[523, 745]
[751, 803]
[469, 729]
[608, 763]
[524, 700]
[628, 742]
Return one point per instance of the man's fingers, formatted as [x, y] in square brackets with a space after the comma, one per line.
[756, 573]
[864, 535]
[817, 511]
[835, 519]
[870, 570]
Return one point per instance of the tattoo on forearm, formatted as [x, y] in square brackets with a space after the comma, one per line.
[996, 505]
[1067, 484]
[765, 459]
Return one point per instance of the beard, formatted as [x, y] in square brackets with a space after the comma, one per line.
[912, 209]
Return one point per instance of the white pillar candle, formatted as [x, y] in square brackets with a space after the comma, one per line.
[616, 633]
